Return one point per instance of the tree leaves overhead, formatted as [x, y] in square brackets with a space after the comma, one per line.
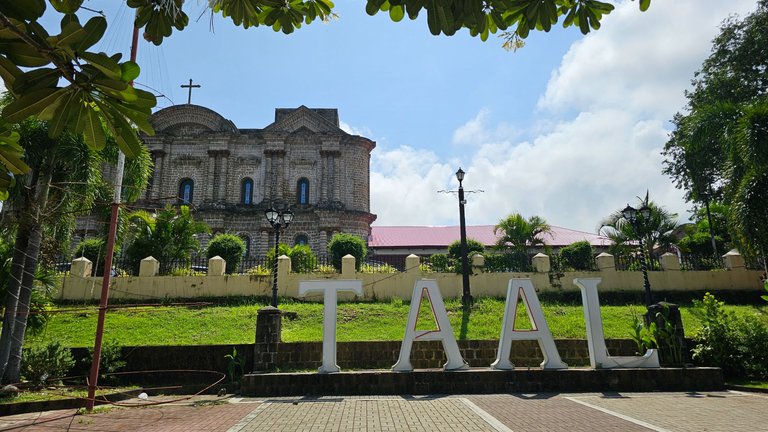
[76, 90]
[484, 17]
[57, 78]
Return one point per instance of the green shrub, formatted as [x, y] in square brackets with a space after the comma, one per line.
[259, 270]
[43, 364]
[303, 260]
[383, 268]
[454, 249]
[577, 256]
[110, 361]
[442, 263]
[343, 244]
[738, 345]
[228, 246]
[507, 262]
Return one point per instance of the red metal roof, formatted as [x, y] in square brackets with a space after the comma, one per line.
[441, 237]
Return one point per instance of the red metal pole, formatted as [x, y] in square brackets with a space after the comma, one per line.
[107, 276]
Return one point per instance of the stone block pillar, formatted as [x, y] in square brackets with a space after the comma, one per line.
[348, 267]
[217, 266]
[412, 263]
[733, 260]
[149, 267]
[81, 267]
[478, 263]
[669, 261]
[605, 262]
[541, 263]
[664, 314]
[268, 335]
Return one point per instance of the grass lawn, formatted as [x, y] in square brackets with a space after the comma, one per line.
[234, 323]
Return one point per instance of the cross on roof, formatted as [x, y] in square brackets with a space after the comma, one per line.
[190, 86]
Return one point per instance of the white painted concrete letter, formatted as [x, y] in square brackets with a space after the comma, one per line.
[330, 288]
[444, 332]
[598, 352]
[540, 331]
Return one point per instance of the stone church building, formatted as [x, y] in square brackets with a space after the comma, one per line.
[229, 176]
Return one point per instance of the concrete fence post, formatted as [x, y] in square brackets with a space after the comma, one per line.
[669, 262]
[217, 266]
[81, 267]
[412, 263]
[348, 266]
[149, 267]
[541, 263]
[605, 262]
[283, 267]
[478, 263]
[733, 260]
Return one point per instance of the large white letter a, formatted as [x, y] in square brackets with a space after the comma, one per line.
[444, 332]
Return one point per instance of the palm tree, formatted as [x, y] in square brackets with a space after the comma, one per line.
[167, 236]
[518, 233]
[655, 231]
[58, 180]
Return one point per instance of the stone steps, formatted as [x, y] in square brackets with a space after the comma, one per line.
[481, 381]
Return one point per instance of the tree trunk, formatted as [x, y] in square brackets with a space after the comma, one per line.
[13, 370]
[12, 294]
[32, 252]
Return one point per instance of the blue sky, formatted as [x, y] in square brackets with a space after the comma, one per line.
[568, 128]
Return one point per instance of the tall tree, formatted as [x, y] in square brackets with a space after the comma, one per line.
[60, 172]
[519, 233]
[56, 77]
[717, 150]
[655, 231]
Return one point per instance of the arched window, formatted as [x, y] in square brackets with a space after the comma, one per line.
[247, 241]
[186, 189]
[246, 191]
[302, 239]
[302, 191]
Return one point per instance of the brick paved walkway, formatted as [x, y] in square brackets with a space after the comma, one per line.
[715, 411]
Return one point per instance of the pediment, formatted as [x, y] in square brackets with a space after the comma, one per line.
[302, 119]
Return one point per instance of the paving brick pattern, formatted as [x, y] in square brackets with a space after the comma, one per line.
[630, 412]
[160, 418]
[365, 415]
[697, 412]
[550, 413]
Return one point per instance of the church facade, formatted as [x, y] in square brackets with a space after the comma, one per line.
[229, 176]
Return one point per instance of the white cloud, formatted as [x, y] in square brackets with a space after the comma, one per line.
[479, 130]
[606, 111]
[353, 130]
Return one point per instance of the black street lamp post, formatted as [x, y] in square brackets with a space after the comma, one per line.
[630, 214]
[278, 220]
[466, 298]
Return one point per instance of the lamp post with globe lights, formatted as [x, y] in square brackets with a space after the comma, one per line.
[279, 221]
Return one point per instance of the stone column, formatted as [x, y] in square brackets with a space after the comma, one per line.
[268, 336]
[323, 186]
[733, 260]
[157, 174]
[210, 189]
[541, 263]
[81, 267]
[668, 314]
[348, 267]
[149, 267]
[669, 261]
[605, 262]
[223, 185]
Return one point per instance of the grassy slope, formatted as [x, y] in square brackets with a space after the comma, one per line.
[228, 324]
